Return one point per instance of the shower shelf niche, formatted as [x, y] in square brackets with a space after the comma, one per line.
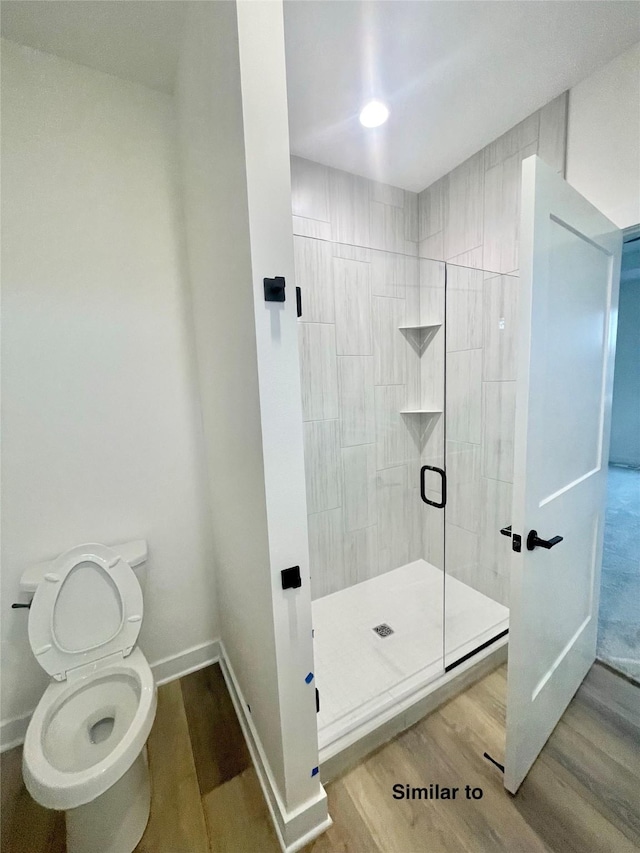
[420, 328]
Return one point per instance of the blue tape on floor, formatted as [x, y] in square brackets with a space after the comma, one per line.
[315, 771]
[309, 678]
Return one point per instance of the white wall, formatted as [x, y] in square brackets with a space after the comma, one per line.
[101, 425]
[603, 146]
[231, 99]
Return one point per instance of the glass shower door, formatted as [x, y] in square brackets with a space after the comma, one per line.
[479, 425]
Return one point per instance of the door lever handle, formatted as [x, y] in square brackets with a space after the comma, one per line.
[533, 541]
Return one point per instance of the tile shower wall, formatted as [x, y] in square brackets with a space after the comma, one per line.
[356, 261]
[470, 218]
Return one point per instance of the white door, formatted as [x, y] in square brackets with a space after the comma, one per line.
[569, 269]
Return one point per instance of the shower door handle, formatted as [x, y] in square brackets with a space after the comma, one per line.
[443, 479]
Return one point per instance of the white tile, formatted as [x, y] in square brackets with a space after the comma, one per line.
[314, 275]
[464, 396]
[311, 228]
[387, 227]
[432, 247]
[323, 465]
[463, 207]
[393, 546]
[326, 552]
[433, 520]
[349, 208]
[472, 258]
[431, 209]
[500, 318]
[309, 189]
[415, 520]
[411, 225]
[353, 307]
[461, 555]
[432, 370]
[387, 194]
[512, 141]
[502, 212]
[318, 371]
[432, 291]
[463, 479]
[552, 140]
[464, 308]
[411, 290]
[389, 345]
[388, 273]
[360, 554]
[359, 467]
[496, 513]
[391, 432]
[351, 253]
[357, 401]
[498, 417]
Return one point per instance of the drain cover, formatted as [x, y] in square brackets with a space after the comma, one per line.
[383, 630]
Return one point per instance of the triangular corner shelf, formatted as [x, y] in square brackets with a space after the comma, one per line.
[422, 327]
[420, 411]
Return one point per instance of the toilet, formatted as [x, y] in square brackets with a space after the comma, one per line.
[84, 751]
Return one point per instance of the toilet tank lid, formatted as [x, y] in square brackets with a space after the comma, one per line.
[134, 553]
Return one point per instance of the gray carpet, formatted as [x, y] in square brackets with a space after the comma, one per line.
[619, 617]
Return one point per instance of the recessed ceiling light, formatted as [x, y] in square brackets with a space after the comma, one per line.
[373, 114]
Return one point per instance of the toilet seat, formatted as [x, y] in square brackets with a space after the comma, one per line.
[88, 607]
[66, 787]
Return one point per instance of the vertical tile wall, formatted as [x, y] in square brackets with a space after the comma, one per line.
[356, 247]
[470, 218]
[356, 258]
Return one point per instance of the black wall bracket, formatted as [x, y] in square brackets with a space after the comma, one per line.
[274, 289]
[291, 578]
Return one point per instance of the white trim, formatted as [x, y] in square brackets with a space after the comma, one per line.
[293, 829]
[184, 663]
[13, 731]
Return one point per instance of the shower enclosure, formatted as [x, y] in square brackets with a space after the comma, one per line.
[408, 391]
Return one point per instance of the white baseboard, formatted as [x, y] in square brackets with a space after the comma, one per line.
[13, 731]
[294, 829]
[191, 660]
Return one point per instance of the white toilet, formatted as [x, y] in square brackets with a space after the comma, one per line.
[84, 751]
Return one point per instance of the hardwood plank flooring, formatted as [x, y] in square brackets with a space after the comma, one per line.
[219, 748]
[582, 795]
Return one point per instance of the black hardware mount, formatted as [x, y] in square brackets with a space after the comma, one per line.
[516, 539]
[291, 578]
[274, 289]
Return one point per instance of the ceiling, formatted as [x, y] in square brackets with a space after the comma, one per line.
[455, 75]
[138, 40]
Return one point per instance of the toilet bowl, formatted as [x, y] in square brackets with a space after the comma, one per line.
[84, 750]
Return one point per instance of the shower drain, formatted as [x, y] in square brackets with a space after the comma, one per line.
[383, 630]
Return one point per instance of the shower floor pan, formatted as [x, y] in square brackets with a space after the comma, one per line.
[367, 676]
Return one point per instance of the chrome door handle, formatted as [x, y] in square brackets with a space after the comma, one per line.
[533, 541]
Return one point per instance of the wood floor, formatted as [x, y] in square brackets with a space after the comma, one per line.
[582, 796]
